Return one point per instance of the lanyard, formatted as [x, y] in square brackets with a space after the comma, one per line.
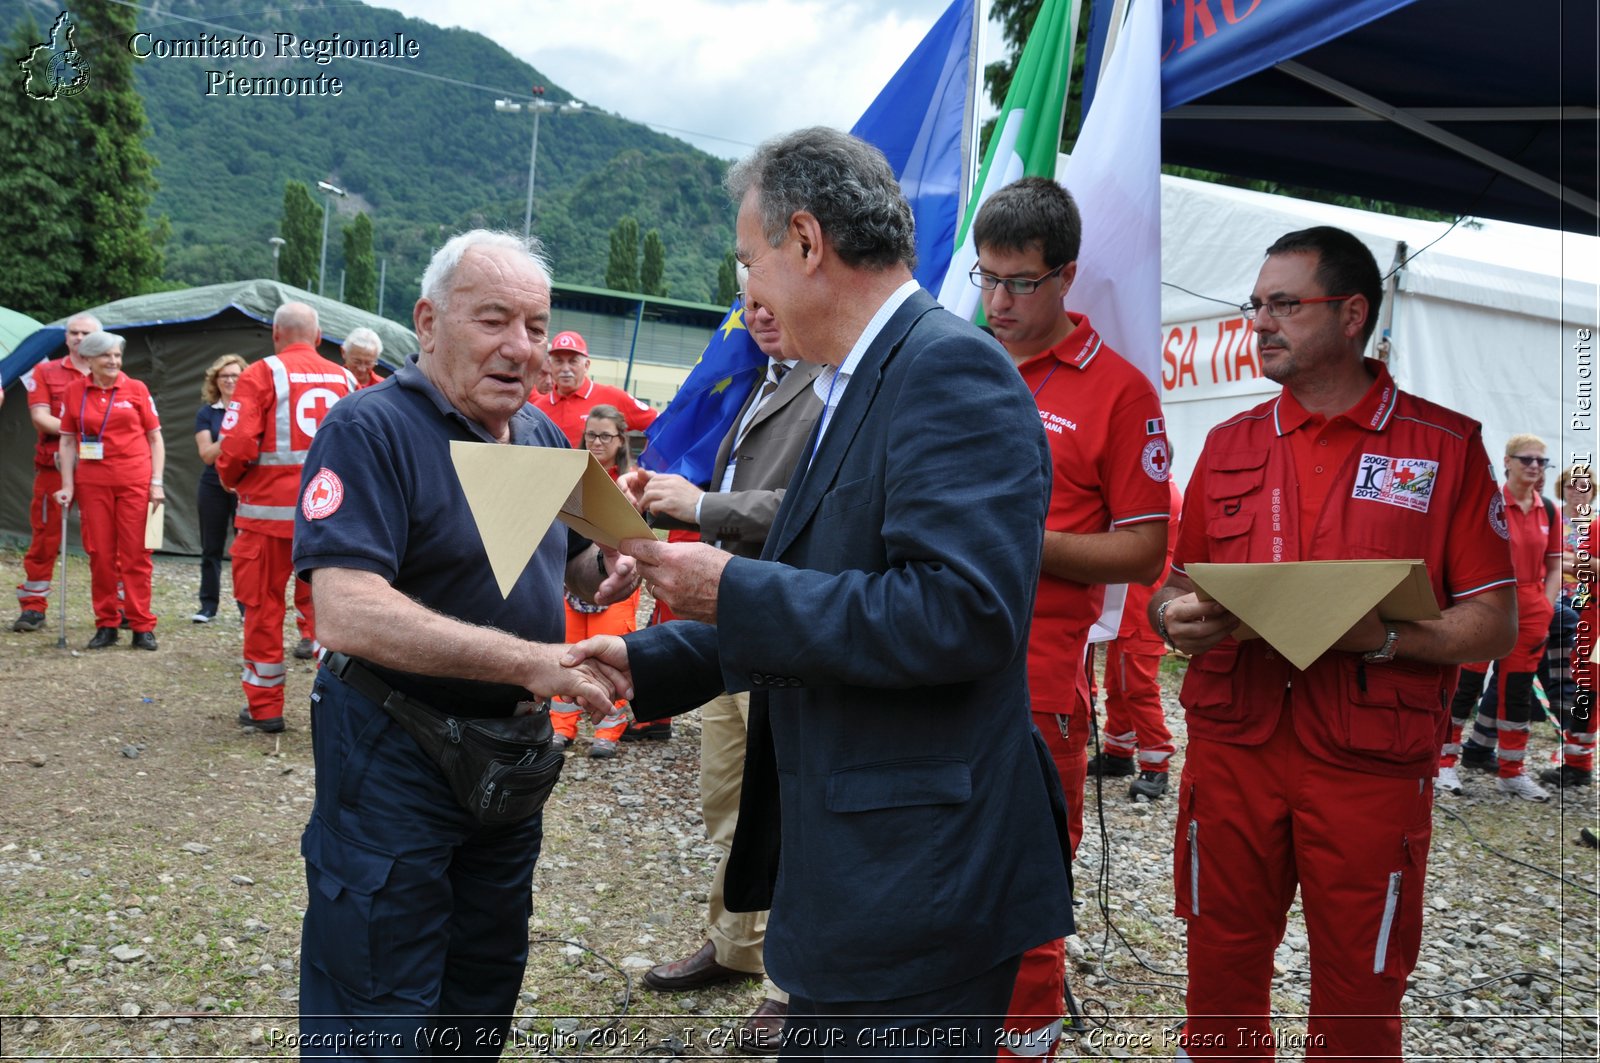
[83, 407]
[1045, 381]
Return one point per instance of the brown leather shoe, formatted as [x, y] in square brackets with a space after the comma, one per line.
[700, 969]
[762, 1033]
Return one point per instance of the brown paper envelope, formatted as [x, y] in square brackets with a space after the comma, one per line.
[514, 494]
[1413, 599]
[1303, 607]
[597, 509]
[155, 521]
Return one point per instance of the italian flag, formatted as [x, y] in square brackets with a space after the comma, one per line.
[1026, 139]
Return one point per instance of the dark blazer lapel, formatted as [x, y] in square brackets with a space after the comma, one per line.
[810, 484]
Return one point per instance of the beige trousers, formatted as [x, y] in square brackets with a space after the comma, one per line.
[737, 936]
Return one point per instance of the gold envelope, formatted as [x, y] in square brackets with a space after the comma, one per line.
[1303, 607]
[515, 492]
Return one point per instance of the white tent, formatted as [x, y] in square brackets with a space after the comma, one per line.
[1489, 321]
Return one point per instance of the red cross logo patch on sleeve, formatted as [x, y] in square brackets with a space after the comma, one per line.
[1497, 516]
[1157, 464]
[323, 495]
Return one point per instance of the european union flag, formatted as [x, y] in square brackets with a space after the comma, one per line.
[920, 123]
[685, 438]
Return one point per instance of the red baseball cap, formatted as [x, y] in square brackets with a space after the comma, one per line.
[569, 341]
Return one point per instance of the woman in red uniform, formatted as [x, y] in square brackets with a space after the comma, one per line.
[1534, 531]
[111, 459]
[604, 436]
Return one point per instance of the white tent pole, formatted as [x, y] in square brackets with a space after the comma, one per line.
[1391, 291]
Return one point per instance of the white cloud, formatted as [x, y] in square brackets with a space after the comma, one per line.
[742, 70]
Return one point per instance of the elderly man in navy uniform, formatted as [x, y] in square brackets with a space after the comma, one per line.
[415, 936]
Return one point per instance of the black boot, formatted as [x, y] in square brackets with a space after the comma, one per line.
[103, 637]
[1111, 765]
[1565, 776]
[1151, 785]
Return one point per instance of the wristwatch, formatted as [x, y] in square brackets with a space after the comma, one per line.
[1385, 653]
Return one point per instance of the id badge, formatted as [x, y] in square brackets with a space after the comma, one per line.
[91, 451]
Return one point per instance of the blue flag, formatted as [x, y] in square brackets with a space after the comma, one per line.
[918, 121]
[685, 438]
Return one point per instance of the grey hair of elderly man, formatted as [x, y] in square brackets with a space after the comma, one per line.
[363, 339]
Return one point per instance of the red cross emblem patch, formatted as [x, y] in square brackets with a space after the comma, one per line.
[1157, 464]
[323, 495]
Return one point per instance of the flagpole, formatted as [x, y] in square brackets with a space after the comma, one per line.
[969, 121]
[1069, 43]
[1119, 15]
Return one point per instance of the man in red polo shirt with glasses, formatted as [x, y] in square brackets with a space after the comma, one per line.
[1109, 503]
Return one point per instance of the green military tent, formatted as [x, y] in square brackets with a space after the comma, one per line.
[14, 328]
[172, 338]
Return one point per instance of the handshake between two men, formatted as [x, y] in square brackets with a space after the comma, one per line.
[684, 575]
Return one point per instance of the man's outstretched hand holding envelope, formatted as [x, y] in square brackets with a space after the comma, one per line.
[1302, 608]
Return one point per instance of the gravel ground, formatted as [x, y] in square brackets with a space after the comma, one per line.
[151, 883]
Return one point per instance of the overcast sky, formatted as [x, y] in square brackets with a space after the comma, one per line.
[721, 74]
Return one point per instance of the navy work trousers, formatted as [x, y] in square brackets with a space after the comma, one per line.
[416, 929]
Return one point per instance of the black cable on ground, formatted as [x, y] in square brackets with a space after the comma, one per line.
[1530, 975]
[1564, 880]
[1103, 885]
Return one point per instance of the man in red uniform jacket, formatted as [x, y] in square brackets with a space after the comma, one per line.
[1109, 499]
[266, 431]
[1323, 778]
[573, 394]
[46, 386]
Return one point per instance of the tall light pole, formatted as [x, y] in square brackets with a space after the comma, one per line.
[327, 208]
[277, 243]
[538, 107]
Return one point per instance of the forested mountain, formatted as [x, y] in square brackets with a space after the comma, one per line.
[416, 142]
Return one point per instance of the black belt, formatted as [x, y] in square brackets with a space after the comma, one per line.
[365, 682]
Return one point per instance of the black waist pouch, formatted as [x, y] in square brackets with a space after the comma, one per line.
[501, 769]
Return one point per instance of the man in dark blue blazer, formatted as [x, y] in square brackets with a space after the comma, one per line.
[899, 811]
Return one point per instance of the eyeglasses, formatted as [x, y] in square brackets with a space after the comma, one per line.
[600, 437]
[1531, 462]
[1285, 307]
[1015, 285]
